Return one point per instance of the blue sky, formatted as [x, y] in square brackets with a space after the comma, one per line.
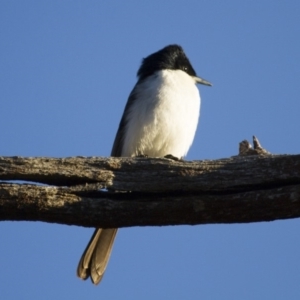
[66, 70]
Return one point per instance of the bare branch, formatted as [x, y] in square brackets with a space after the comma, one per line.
[254, 186]
[153, 175]
[51, 204]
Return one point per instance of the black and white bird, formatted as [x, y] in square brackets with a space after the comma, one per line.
[160, 118]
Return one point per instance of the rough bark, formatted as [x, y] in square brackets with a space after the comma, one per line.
[150, 191]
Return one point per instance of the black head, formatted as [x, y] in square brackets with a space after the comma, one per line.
[171, 57]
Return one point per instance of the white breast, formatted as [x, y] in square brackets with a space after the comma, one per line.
[164, 117]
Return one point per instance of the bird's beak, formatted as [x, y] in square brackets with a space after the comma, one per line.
[202, 81]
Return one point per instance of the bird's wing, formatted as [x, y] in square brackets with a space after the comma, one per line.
[119, 139]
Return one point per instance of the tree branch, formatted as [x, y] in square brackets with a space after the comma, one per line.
[151, 191]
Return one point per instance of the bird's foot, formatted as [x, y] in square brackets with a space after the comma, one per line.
[172, 157]
[142, 156]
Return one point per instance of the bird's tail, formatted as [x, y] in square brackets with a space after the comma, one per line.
[95, 257]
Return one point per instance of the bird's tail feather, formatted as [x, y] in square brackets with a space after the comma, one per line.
[95, 257]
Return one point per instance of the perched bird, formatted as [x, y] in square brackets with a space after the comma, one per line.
[160, 119]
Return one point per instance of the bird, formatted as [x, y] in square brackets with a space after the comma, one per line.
[159, 120]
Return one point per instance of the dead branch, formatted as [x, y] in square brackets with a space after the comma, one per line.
[121, 192]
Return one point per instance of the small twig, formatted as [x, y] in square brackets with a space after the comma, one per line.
[245, 148]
